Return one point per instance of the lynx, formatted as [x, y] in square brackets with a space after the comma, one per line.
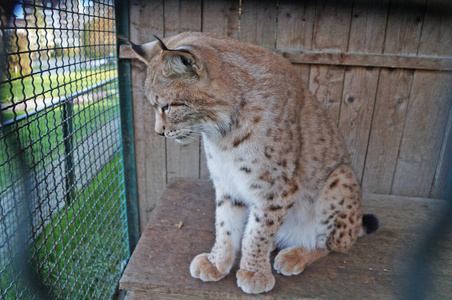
[278, 163]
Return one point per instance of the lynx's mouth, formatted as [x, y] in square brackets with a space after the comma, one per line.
[182, 137]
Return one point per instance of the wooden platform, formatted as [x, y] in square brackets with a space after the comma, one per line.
[182, 226]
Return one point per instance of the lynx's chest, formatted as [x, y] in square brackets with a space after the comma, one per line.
[232, 170]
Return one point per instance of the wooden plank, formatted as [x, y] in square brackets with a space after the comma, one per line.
[367, 31]
[436, 38]
[335, 58]
[330, 34]
[181, 16]
[428, 110]
[355, 120]
[221, 17]
[326, 84]
[182, 160]
[374, 268]
[444, 164]
[332, 25]
[360, 84]
[423, 134]
[439, 41]
[258, 23]
[403, 33]
[387, 126]
[404, 27]
[295, 23]
[421, 62]
[146, 19]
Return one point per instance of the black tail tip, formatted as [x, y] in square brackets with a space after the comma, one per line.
[370, 223]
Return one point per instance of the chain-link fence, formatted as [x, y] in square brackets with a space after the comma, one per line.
[62, 195]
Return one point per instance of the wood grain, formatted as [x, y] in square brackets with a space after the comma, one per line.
[295, 23]
[423, 133]
[386, 133]
[374, 268]
[444, 163]
[221, 17]
[330, 33]
[335, 58]
[150, 150]
[180, 16]
[360, 84]
[439, 41]
[258, 23]
[428, 111]
[420, 62]
[355, 120]
[403, 33]
[326, 84]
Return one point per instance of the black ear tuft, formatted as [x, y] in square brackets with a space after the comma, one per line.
[138, 49]
[370, 223]
[161, 44]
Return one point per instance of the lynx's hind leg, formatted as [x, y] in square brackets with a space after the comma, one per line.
[341, 209]
[293, 260]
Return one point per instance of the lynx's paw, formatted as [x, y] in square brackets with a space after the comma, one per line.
[289, 262]
[292, 261]
[203, 269]
[255, 282]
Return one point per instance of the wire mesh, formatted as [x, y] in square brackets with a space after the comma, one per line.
[60, 118]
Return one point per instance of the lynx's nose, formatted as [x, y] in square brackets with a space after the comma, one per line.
[159, 127]
[160, 130]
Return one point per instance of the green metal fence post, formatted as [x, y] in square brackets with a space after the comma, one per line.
[125, 104]
[68, 112]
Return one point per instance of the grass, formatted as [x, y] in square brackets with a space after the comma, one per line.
[54, 85]
[42, 134]
[81, 250]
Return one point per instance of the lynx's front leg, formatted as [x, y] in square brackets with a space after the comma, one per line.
[230, 218]
[255, 274]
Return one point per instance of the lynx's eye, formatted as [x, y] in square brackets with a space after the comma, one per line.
[165, 108]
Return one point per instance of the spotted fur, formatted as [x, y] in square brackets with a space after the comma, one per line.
[279, 164]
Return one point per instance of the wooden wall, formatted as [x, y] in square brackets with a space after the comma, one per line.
[381, 67]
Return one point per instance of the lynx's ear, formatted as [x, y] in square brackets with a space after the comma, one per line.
[179, 63]
[146, 51]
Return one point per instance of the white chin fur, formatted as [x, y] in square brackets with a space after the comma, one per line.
[184, 141]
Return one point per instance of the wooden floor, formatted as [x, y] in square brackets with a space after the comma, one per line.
[182, 226]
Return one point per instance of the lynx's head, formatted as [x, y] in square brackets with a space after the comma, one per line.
[187, 88]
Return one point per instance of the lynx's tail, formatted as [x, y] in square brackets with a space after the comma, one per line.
[370, 224]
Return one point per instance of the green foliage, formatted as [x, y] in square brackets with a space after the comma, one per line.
[19, 64]
[104, 32]
[26, 41]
